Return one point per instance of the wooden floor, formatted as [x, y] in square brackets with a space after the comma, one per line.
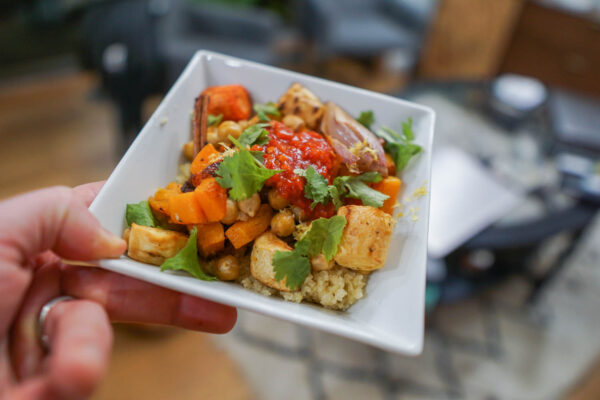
[53, 131]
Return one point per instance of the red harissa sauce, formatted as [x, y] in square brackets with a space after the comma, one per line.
[288, 151]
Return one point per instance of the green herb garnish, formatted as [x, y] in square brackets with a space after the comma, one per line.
[187, 259]
[255, 134]
[291, 266]
[400, 146]
[317, 189]
[323, 237]
[264, 110]
[214, 119]
[243, 172]
[316, 186]
[366, 118]
[356, 188]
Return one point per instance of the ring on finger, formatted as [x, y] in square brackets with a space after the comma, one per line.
[44, 339]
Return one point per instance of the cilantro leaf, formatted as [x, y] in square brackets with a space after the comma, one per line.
[389, 135]
[371, 177]
[369, 197]
[243, 174]
[407, 130]
[140, 213]
[187, 259]
[316, 186]
[402, 153]
[291, 266]
[258, 155]
[264, 110]
[356, 188]
[335, 195]
[323, 237]
[366, 118]
[214, 119]
[255, 134]
[400, 146]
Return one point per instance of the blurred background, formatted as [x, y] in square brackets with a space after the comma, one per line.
[513, 291]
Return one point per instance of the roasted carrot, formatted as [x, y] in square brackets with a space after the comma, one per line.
[160, 201]
[232, 101]
[212, 198]
[184, 208]
[211, 238]
[207, 156]
[391, 167]
[243, 232]
[389, 185]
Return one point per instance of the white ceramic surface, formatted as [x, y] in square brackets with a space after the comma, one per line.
[391, 315]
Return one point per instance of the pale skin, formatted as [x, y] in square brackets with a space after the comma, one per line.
[37, 230]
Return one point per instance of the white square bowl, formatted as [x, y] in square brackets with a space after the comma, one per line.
[391, 315]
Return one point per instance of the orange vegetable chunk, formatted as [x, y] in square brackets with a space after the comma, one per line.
[211, 238]
[204, 158]
[212, 198]
[232, 101]
[243, 232]
[389, 185]
[160, 201]
[184, 208]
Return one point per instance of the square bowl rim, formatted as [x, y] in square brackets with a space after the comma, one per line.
[369, 335]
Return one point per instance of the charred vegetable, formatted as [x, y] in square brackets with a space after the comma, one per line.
[358, 148]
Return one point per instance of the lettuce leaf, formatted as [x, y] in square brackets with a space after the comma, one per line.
[187, 260]
[140, 213]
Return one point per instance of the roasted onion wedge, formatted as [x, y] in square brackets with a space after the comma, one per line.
[357, 146]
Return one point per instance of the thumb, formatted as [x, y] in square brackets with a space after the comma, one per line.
[54, 219]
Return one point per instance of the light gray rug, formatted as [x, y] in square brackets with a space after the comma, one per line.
[489, 347]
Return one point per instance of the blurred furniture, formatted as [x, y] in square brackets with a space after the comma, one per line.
[472, 39]
[361, 28]
[141, 46]
[246, 32]
[555, 213]
[558, 47]
[468, 38]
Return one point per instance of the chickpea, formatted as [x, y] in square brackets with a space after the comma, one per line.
[298, 213]
[293, 122]
[126, 233]
[276, 200]
[282, 223]
[188, 150]
[229, 128]
[212, 135]
[231, 213]
[250, 205]
[227, 268]
[243, 123]
[242, 216]
[320, 263]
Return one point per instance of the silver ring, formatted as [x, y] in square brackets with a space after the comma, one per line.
[42, 318]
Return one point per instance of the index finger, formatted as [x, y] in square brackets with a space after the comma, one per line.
[130, 300]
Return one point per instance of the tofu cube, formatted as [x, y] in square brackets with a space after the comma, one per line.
[153, 245]
[303, 103]
[366, 238]
[261, 260]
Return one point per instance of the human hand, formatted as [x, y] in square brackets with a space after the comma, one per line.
[37, 229]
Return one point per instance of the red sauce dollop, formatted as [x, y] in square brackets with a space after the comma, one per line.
[288, 151]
